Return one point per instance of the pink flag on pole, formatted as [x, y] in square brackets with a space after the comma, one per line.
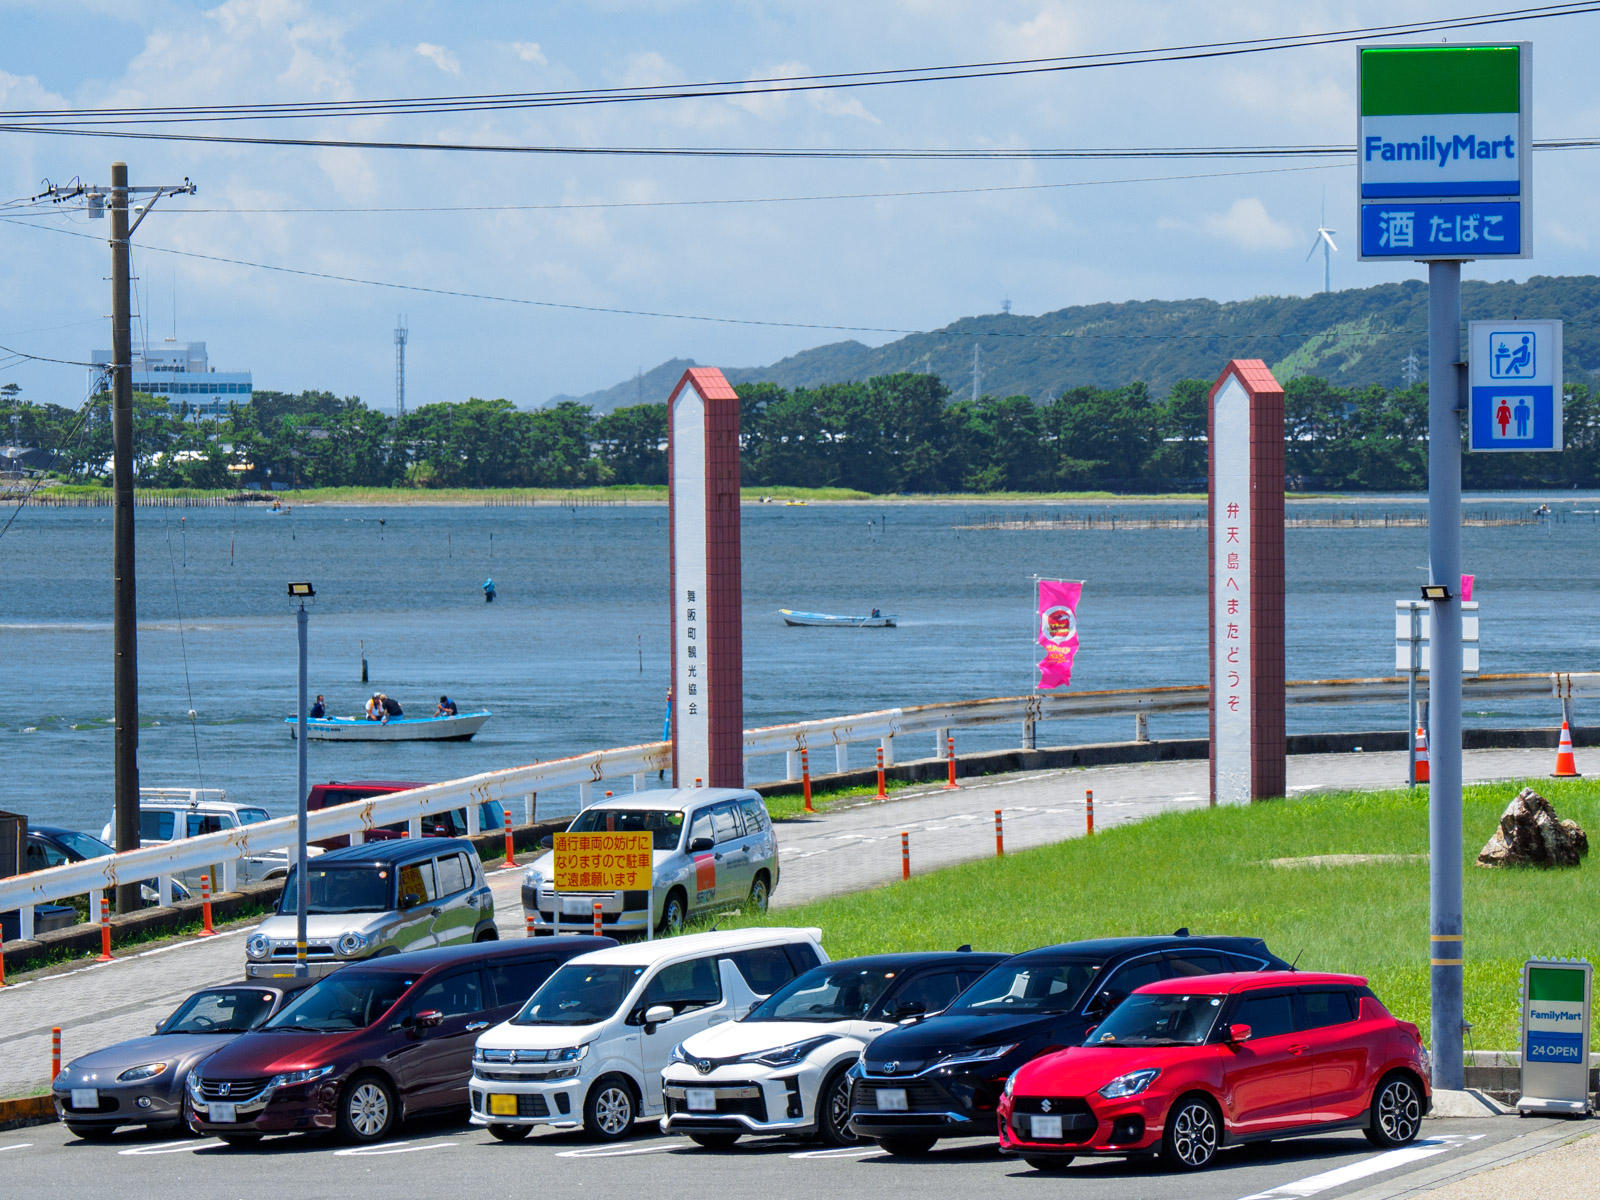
[1466, 587]
[1058, 630]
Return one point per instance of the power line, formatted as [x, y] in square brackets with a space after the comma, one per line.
[786, 83]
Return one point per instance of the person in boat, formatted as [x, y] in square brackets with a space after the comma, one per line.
[447, 707]
[876, 613]
[319, 709]
[488, 591]
[391, 707]
[375, 707]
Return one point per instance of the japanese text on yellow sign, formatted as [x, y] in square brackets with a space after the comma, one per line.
[602, 862]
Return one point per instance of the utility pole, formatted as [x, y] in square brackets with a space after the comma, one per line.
[976, 370]
[124, 619]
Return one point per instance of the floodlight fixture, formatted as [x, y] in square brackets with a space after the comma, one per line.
[302, 590]
[1437, 592]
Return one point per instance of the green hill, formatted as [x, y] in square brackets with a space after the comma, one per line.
[1351, 338]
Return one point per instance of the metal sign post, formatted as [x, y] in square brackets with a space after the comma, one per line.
[1556, 998]
[1443, 150]
[1411, 658]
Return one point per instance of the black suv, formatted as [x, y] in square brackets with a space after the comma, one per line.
[942, 1077]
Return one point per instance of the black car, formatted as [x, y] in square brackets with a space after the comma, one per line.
[942, 1077]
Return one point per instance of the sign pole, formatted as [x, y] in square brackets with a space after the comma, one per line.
[1444, 675]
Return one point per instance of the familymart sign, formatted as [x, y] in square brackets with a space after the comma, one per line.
[1444, 147]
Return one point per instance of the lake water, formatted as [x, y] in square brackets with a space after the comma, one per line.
[582, 605]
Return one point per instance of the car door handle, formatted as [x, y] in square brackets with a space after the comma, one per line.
[1300, 1049]
[476, 1025]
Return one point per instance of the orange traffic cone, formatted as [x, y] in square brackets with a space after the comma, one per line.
[1422, 756]
[1566, 765]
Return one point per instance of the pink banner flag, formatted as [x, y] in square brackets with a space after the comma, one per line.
[1058, 630]
[1466, 587]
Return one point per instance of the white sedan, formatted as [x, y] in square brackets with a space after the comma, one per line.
[781, 1069]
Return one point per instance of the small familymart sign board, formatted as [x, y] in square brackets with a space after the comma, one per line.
[1556, 996]
[1444, 147]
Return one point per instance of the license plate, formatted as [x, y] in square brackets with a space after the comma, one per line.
[577, 908]
[223, 1113]
[85, 1098]
[1046, 1127]
[502, 1106]
[700, 1099]
[891, 1100]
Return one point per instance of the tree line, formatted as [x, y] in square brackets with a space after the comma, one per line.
[893, 433]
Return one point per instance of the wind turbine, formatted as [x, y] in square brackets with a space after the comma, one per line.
[1324, 239]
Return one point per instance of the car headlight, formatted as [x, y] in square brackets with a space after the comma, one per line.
[146, 1071]
[1130, 1084]
[258, 946]
[290, 1078]
[785, 1056]
[195, 1085]
[1011, 1083]
[532, 878]
[352, 943]
[988, 1054]
[678, 1054]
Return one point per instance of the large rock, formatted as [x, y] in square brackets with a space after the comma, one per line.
[1531, 835]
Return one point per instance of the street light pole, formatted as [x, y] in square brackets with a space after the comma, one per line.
[302, 900]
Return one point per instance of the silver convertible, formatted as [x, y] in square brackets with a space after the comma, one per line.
[714, 848]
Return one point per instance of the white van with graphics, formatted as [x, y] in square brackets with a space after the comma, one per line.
[589, 1046]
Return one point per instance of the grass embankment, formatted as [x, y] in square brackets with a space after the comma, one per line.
[787, 806]
[1211, 870]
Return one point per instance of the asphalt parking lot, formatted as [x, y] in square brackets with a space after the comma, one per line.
[447, 1157]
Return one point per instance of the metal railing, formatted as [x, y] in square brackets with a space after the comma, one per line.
[357, 818]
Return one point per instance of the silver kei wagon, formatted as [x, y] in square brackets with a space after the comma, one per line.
[714, 848]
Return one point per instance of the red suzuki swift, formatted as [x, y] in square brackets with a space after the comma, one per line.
[1187, 1065]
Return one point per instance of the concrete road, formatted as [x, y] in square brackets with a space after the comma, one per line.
[447, 1158]
[847, 849]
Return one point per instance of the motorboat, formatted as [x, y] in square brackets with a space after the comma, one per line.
[875, 620]
[459, 728]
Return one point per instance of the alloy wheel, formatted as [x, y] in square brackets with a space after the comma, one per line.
[613, 1111]
[1399, 1112]
[758, 895]
[368, 1109]
[838, 1118]
[1194, 1134]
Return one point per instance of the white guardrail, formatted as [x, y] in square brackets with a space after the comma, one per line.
[354, 819]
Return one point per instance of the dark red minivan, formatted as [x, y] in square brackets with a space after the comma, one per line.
[373, 1043]
[452, 823]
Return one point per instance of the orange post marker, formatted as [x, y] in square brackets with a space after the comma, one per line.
[805, 779]
[999, 836]
[1566, 765]
[882, 795]
[205, 907]
[698, 782]
[510, 859]
[950, 758]
[1088, 809]
[1422, 755]
[905, 855]
[597, 918]
[55, 1053]
[2, 970]
[528, 921]
[105, 929]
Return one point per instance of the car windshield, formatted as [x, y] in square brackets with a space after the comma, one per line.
[81, 844]
[829, 993]
[343, 889]
[665, 827]
[1158, 1020]
[252, 816]
[579, 994]
[221, 1010]
[1052, 985]
[347, 999]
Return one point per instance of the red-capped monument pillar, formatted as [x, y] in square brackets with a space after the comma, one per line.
[1245, 428]
[707, 617]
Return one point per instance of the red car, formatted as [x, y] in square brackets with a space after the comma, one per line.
[1185, 1066]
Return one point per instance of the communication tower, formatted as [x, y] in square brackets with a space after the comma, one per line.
[401, 333]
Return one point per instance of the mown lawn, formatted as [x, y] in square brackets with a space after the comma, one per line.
[1210, 870]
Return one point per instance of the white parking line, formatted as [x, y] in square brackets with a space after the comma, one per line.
[608, 1152]
[1375, 1165]
[16, 1146]
[173, 1147]
[392, 1148]
[841, 1152]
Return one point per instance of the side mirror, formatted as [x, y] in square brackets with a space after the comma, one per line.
[699, 844]
[912, 1008]
[430, 1018]
[547, 842]
[1238, 1033]
[410, 900]
[1102, 1004]
[656, 1014]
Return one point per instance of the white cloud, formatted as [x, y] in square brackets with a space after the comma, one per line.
[440, 57]
[769, 106]
[529, 52]
[1245, 224]
[835, 104]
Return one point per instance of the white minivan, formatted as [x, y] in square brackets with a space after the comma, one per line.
[589, 1046]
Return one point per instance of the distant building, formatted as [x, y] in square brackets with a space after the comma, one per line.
[180, 373]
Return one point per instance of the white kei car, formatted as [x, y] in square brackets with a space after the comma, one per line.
[781, 1070]
[588, 1047]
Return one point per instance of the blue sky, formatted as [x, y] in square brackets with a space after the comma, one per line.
[908, 262]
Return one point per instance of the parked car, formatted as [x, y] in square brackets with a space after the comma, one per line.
[781, 1070]
[589, 1046]
[714, 848]
[168, 814]
[942, 1077]
[54, 846]
[371, 1045]
[142, 1081]
[1187, 1065]
[452, 823]
[377, 899]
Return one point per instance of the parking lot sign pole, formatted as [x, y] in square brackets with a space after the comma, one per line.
[302, 898]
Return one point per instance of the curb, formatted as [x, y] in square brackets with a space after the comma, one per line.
[1428, 1179]
[30, 1110]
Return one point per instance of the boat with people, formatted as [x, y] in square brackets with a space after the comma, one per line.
[458, 727]
[876, 620]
